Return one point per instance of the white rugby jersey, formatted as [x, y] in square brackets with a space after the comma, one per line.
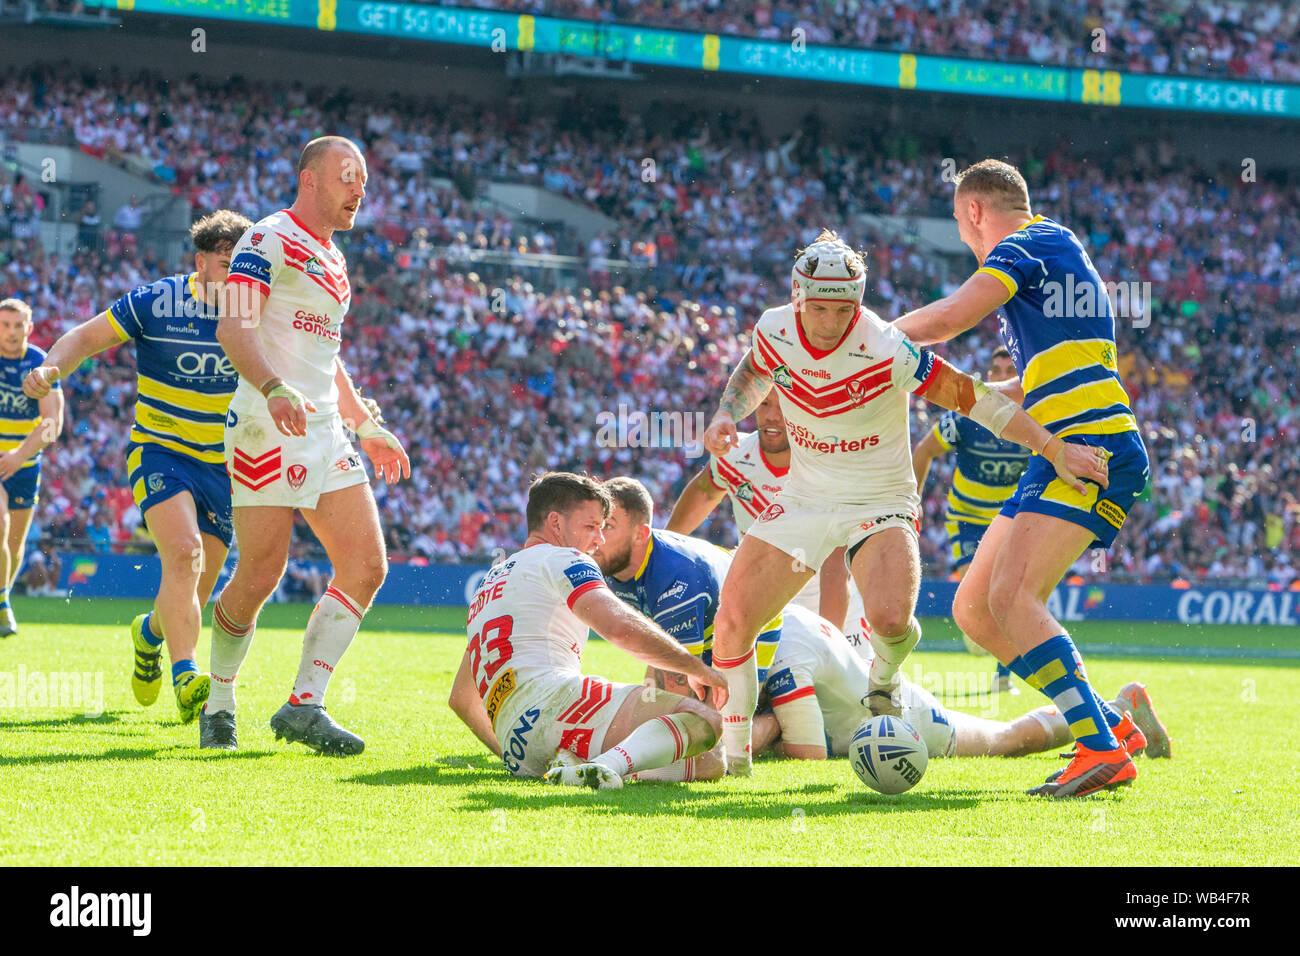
[846, 410]
[813, 657]
[306, 283]
[748, 478]
[521, 624]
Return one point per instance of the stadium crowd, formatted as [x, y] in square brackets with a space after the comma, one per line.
[491, 382]
[1230, 38]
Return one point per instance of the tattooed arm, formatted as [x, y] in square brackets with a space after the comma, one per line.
[745, 390]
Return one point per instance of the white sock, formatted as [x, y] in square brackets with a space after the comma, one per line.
[705, 766]
[334, 622]
[738, 712]
[230, 643]
[656, 743]
[891, 652]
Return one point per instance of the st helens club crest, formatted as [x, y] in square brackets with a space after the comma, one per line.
[296, 475]
[773, 511]
[856, 389]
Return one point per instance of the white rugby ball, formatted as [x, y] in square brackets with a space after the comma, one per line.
[888, 755]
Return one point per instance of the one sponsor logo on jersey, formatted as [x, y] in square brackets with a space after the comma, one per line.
[318, 325]
[296, 475]
[205, 365]
[313, 267]
[745, 491]
[583, 572]
[773, 512]
[677, 590]
[503, 688]
[815, 373]
[781, 375]
[256, 238]
[780, 682]
[155, 483]
[348, 462]
[257, 472]
[830, 444]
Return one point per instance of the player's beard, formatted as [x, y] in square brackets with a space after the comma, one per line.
[773, 444]
[613, 562]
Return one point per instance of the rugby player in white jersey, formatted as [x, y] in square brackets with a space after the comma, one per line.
[751, 474]
[843, 376]
[520, 686]
[286, 450]
[818, 688]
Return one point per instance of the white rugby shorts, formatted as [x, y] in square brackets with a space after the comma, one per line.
[545, 714]
[809, 530]
[267, 467]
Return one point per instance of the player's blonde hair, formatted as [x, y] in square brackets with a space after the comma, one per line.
[17, 305]
[999, 182]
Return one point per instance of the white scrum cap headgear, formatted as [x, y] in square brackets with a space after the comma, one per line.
[828, 269]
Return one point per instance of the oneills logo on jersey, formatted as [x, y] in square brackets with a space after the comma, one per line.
[781, 375]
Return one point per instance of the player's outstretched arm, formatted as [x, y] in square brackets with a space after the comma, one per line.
[381, 446]
[631, 631]
[468, 706]
[745, 391]
[951, 389]
[696, 502]
[72, 348]
[954, 314]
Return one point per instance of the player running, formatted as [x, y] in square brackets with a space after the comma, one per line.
[751, 474]
[286, 450]
[175, 460]
[843, 377]
[26, 427]
[988, 470]
[520, 686]
[1060, 330]
[817, 687]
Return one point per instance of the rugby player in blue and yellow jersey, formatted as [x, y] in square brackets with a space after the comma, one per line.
[987, 471]
[176, 457]
[26, 427]
[1059, 327]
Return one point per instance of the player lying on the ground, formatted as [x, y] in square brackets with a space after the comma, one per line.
[844, 377]
[26, 427]
[818, 687]
[987, 471]
[751, 475]
[176, 458]
[520, 686]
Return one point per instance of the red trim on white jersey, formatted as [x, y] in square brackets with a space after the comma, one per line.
[934, 370]
[324, 242]
[793, 695]
[582, 589]
[856, 390]
[777, 472]
[758, 504]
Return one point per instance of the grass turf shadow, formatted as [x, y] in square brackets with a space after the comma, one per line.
[455, 770]
[182, 751]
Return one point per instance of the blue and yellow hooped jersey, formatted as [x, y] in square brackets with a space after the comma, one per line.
[19, 415]
[185, 379]
[987, 471]
[677, 587]
[1059, 326]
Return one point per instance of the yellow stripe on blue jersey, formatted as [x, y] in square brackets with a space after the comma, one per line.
[987, 469]
[19, 415]
[185, 379]
[1059, 326]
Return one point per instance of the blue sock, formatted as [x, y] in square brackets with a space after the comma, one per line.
[150, 638]
[1057, 670]
[4, 598]
[181, 668]
[1019, 668]
[1023, 671]
[1004, 670]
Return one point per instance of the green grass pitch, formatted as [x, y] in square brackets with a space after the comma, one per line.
[129, 787]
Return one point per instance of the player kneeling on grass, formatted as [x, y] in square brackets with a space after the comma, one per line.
[818, 687]
[520, 686]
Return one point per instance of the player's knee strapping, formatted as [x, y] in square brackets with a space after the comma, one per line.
[892, 651]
